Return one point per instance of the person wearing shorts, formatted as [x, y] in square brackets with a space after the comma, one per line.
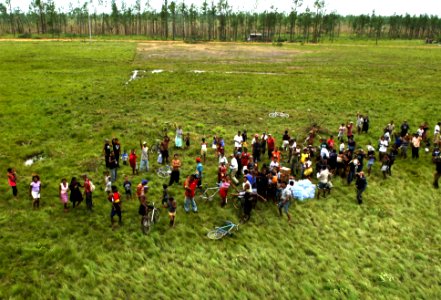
[127, 184]
[171, 206]
[175, 174]
[34, 191]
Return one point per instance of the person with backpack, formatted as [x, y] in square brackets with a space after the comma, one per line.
[360, 184]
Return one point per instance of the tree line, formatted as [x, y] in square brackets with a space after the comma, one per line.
[211, 21]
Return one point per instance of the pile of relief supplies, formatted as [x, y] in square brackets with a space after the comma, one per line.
[303, 189]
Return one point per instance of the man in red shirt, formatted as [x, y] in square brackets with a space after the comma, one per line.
[190, 188]
[270, 145]
[12, 181]
[331, 142]
[244, 158]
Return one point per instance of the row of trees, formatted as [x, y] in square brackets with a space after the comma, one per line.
[211, 21]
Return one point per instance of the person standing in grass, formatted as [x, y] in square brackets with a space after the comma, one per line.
[204, 149]
[106, 151]
[365, 127]
[416, 142]
[360, 184]
[370, 157]
[164, 149]
[115, 199]
[116, 150]
[88, 192]
[190, 185]
[113, 165]
[436, 159]
[34, 191]
[270, 142]
[360, 121]
[144, 157]
[76, 197]
[176, 165]
[187, 141]
[64, 193]
[238, 140]
[341, 132]
[349, 128]
[12, 181]
[285, 200]
[178, 138]
[132, 161]
[171, 206]
[127, 184]
[199, 170]
[141, 191]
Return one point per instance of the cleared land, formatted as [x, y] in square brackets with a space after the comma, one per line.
[61, 99]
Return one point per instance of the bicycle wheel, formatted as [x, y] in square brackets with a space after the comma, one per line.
[215, 234]
[237, 202]
[162, 173]
[156, 215]
[272, 115]
[146, 224]
[284, 115]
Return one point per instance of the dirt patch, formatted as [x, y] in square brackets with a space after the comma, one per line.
[219, 52]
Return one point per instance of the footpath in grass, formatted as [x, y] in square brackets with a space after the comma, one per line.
[60, 100]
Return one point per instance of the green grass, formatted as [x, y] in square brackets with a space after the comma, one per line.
[62, 99]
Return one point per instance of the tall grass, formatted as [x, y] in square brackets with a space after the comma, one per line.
[62, 99]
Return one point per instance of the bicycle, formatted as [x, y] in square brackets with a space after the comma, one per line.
[164, 171]
[150, 218]
[222, 231]
[278, 114]
[155, 148]
[209, 192]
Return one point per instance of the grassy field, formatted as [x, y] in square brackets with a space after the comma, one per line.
[61, 99]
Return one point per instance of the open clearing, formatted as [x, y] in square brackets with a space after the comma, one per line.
[60, 100]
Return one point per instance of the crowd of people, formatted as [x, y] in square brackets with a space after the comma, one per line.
[259, 167]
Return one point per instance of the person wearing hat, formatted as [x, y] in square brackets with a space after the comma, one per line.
[144, 157]
[360, 184]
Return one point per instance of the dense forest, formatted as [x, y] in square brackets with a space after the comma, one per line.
[211, 21]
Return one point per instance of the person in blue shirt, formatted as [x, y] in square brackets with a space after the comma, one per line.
[199, 170]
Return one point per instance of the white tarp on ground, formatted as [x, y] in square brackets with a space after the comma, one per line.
[304, 189]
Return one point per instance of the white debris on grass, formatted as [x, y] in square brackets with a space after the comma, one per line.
[135, 74]
[157, 71]
[198, 71]
[30, 161]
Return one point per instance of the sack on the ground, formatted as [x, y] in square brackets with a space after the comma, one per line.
[159, 159]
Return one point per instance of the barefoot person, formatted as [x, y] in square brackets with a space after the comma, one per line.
[115, 199]
[171, 207]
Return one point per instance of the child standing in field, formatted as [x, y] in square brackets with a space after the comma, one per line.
[34, 191]
[64, 193]
[127, 188]
[12, 181]
[125, 157]
[223, 190]
[171, 205]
